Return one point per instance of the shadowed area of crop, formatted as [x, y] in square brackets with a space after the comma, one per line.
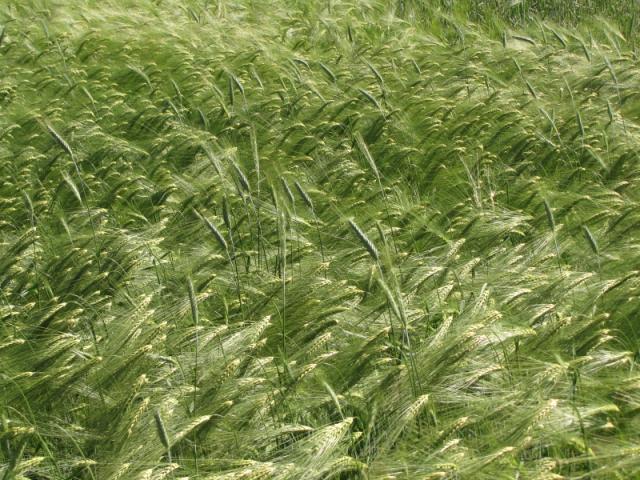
[318, 239]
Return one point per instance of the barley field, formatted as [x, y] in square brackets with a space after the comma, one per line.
[319, 239]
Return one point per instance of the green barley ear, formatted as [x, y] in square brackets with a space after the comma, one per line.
[162, 434]
[591, 239]
[287, 190]
[193, 301]
[213, 229]
[580, 123]
[328, 71]
[274, 197]
[226, 213]
[60, 141]
[531, 89]
[232, 96]
[256, 155]
[195, 317]
[367, 155]
[242, 178]
[73, 187]
[550, 219]
[610, 111]
[305, 197]
[368, 244]
[552, 225]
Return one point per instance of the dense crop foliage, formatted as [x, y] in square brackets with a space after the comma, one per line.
[624, 13]
[308, 240]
